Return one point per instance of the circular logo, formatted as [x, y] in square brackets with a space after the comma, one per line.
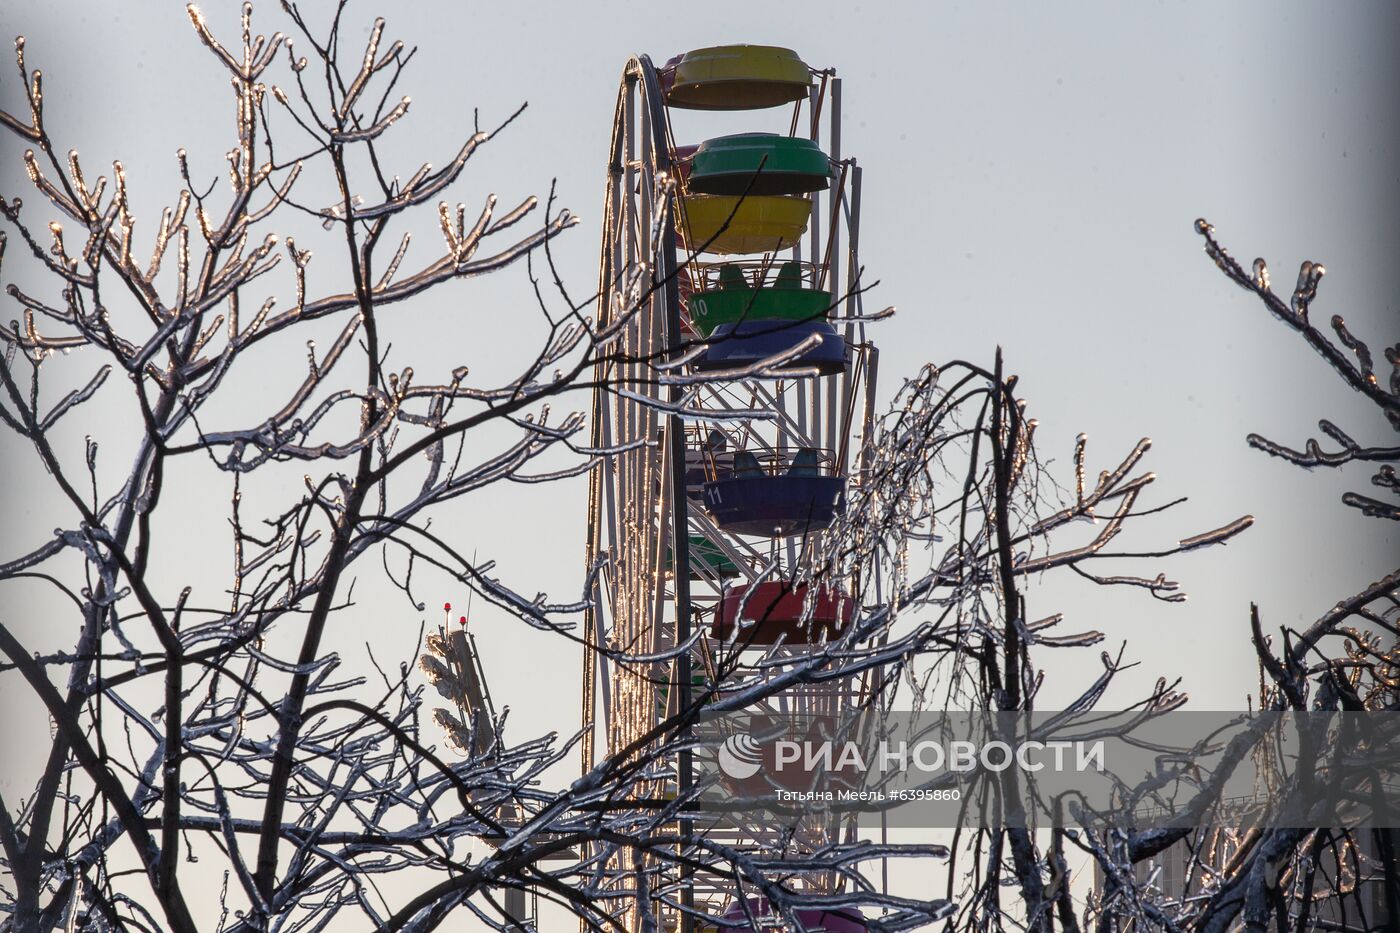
[740, 756]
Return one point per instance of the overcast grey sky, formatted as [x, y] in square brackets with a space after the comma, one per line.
[1031, 176]
[1032, 172]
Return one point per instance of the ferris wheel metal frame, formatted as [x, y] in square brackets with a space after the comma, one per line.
[650, 594]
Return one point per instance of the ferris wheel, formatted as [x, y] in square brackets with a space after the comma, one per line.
[728, 289]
